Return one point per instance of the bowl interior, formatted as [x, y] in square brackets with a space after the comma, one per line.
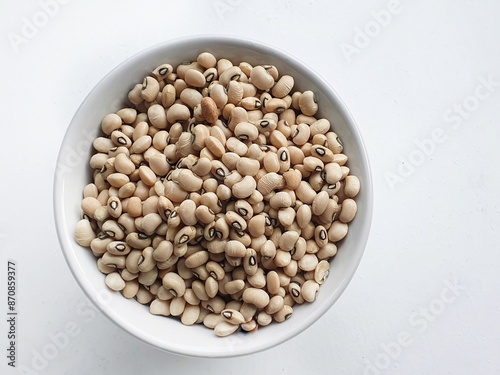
[72, 174]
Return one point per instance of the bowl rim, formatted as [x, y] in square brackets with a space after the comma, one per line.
[58, 206]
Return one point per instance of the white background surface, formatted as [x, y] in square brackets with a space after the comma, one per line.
[426, 297]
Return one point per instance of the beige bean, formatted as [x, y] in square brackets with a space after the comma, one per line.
[141, 144]
[160, 307]
[257, 297]
[313, 164]
[310, 290]
[233, 144]
[147, 175]
[261, 78]
[334, 143]
[269, 182]
[174, 284]
[322, 153]
[84, 234]
[207, 60]
[307, 103]
[321, 126]
[244, 188]
[114, 281]
[320, 202]
[246, 131]
[283, 87]
[235, 249]
[177, 112]
[110, 123]
[157, 116]
[352, 186]
[168, 95]
[177, 306]
[348, 210]
[194, 78]
[247, 167]
[284, 314]
[150, 89]
[225, 328]
[337, 231]
[305, 192]
[322, 271]
[230, 74]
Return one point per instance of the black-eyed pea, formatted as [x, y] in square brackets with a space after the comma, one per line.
[320, 203]
[197, 259]
[248, 89]
[291, 268]
[245, 131]
[284, 159]
[224, 329]
[114, 281]
[150, 223]
[214, 305]
[114, 261]
[321, 126]
[98, 160]
[264, 319]
[233, 316]
[84, 234]
[174, 284]
[235, 93]
[150, 89]
[130, 289]
[89, 205]
[275, 105]
[337, 231]
[271, 162]
[286, 216]
[148, 278]
[309, 290]
[210, 75]
[211, 287]
[261, 78]
[206, 60]
[177, 306]
[218, 94]
[118, 248]
[135, 95]
[334, 143]
[351, 186]
[143, 296]
[321, 236]
[265, 125]
[235, 249]
[202, 167]
[244, 188]
[294, 290]
[316, 181]
[282, 258]
[308, 103]
[283, 86]
[313, 164]
[308, 262]
[288, 240]
[283, 314]
[305, 192]
[348, 210]
[190, 314]
[257, 297]
[300, 249]
[212, 319]
[236, 146]
[194, 78]
[322, 153]
[258, 279]
[215, 270]
[247, 167]
[250, 326]
[110, 123]
[232, 73]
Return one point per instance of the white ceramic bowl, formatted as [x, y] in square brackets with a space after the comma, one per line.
[73, 174]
